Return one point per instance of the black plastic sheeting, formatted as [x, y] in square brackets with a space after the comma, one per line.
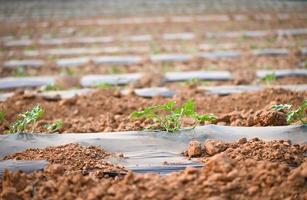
[157, 152]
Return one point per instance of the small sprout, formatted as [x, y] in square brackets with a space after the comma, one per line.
[114, 70]
[50, 87]
[2, 115]
[56, 126]
[192, 82]
[253, 46]
[281, 107]
[294, 115]
[171, 122]
[27, 118]
[154, 48]
[269, 79]
[103, 85]
[68, 71]
[20, 72]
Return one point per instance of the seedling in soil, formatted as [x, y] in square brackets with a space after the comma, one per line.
[68, 71]
[294, 115]
[26, 119]
[253, 46]
[103, 85]
[269, 79]
[20, 72]
[54, 127]
[154, 49]
[172, 121]
[2, 115]
[115, 70]
[50, 87]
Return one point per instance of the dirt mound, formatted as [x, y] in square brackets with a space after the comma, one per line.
[106, 110]
[274, 151]
[73, 158]
[221, 178]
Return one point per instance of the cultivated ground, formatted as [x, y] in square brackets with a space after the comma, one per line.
[90, 65]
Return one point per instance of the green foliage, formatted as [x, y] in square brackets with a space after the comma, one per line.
[281, 107]
[56, 126]
[154, 48]
[2, 115]
[270, 78]
[50, 87]
[114, 70]
[196, 82]
[27, 118]
[294, 115]
[103, 85]
[20, 72]
[68, 71]
[171, 122]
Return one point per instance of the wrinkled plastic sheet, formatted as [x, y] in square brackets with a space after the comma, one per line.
[158, 152]
[236, 89]
[23, 82]
[279, 73]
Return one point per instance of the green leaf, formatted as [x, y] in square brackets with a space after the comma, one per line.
[170, 119]
[57, 125]
[281, 107]
[207, 117]
[2, 115]
[27, 118]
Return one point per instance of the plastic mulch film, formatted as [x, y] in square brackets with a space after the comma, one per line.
[158, 152]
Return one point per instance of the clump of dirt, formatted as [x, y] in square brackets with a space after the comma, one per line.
[150, 78]
[72, 158]
[221, 178]
[107, 110]
[67, 82]
[274, 151]
[263, 117]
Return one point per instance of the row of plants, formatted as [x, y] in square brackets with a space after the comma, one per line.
[165, 117]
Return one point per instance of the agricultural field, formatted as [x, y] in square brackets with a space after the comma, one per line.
[182, 102]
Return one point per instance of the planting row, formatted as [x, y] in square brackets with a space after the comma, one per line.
[179, 19]
[134, 60]
[122, 79]
[111, 110]
[267, 49]
[10, 42]
[243, 169]
[150, 92]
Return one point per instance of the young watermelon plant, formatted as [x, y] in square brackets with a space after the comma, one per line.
[26, 119]
[172, 121]
[54, 127]
[294, 115]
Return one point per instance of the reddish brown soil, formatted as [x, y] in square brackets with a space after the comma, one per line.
[72, 158]
[107, 110]
[274, 151]
[221, 178]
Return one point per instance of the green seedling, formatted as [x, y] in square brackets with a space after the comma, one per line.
[171, 121]
[114, 70]
[294, 115]
[192, 82]
[54, 127]
[50, 87]
[20, 72]
[68, 71]
[2, 116]
[154, 49]
[253, 46]
[270, 79]
[104, 85]
[26, 119]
